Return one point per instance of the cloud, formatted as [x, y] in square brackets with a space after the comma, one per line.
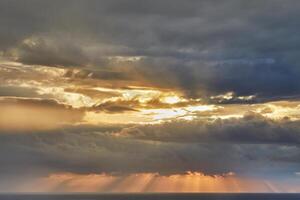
[250, 129]
[204, 48]
[97, 152]
[115, 107]
[162, 149]
[206, 51]
[44, 51]
[15, 91]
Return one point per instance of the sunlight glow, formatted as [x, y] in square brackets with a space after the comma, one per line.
[152, 182]
[171, 99]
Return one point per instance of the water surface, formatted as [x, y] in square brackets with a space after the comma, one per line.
[150, 196]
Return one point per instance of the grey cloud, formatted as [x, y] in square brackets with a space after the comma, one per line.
[94, 74]
[23, 114]
[179, 41]
[166, 149]
[98, 152]
[34, 102]
[251, 129]
[204, 79]
[41, 51]
[114, 107]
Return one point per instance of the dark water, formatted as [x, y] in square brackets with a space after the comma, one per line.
[151, 197]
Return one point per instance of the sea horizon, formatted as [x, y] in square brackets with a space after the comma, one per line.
[149, 196]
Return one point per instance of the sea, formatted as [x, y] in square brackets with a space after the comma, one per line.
[153, 196]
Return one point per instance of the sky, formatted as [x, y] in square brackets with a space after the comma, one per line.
[149, 96]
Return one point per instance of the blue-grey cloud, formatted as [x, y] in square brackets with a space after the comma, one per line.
[203, 48]
[248, 147]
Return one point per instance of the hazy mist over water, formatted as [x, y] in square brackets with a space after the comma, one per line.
[157, 196]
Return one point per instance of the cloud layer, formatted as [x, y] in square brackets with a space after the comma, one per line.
[249, 145]
[161, 87]
[203, 48]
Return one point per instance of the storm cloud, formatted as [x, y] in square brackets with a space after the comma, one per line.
[250, 129]
[164, 87]
[220, 148]
[202, 48]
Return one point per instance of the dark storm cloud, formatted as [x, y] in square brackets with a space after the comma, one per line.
[251, 129]
[88, 153]
[201, 47]
[204, 79]
[39, 51]
[88, 149]
[100, 152]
